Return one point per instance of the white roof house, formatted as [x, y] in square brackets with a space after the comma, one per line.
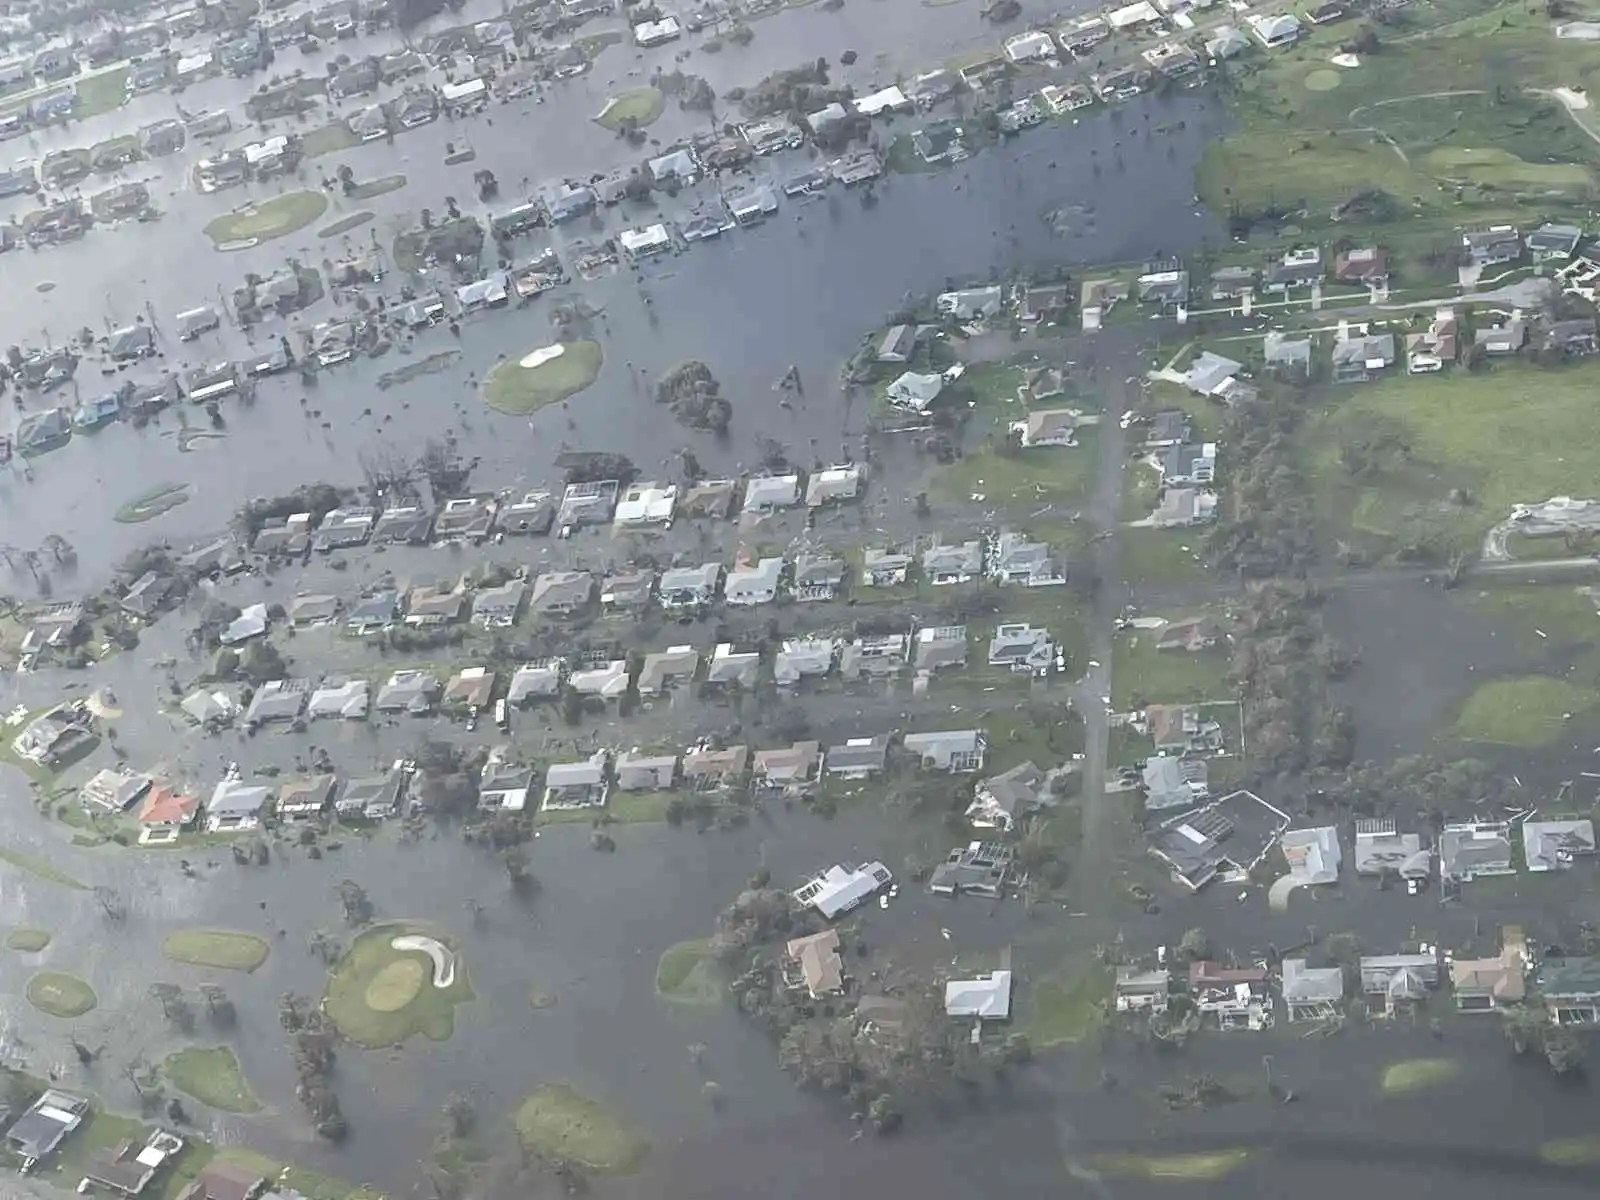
[647, 504]
[766, 493]
[1030, 47]
[654, 33]
[987, 999]
[890, 99]
[914, 390]
[645, 241]
[465, 92]
[840, 889]
[1281, 29]
[1140, 13]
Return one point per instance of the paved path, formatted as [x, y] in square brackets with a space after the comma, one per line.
[444, 960]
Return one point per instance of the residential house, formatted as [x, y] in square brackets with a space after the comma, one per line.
[561, 593]
[284, 537]
[343, 528]
[576, 784]
[728, 667]
[534, 513]
[813, 963]
[885, 567]
[978, 868]
[1555, 843]
[1002, 800]
[465, 519]
[372, 614]
[937, 142]
[404, 524]
[947, 564]
[983, 999]
[1470, 849]
[1209, 372]
[113, 790]
[305, 612]
[1489, 984]
[817, 577]
[898, 345]
[1228, 837]
[1381, 849]
[1165, 289]
[128, 1167]
[1553, 243]
[236, 807]
[410, 691]
[877, 655]
[628, 590]
[646, 504]
[1022, 647]
[1570, 988]
[1237, 996]
[1042, 302]
[956, 752]
[750, 585]
[689, 589]
[1310, 993]
[1276, 30]
[1226, 42]
[47, 1123]
[857, 758]
[1298, 268]
[1499, 340]
[769, 493]
[833, 484]
[428, 605]
[499, 607]
[604, 679]
[504, 785]
[469, 688]
[278, 700]
[787, 768]
[1399, 981]
[1181, 729]
[708, 770]
[1138, 990]
[222, 1180]
[1313, 857]
[539, 680]
[1428, 352]
[915, 391]
[1493, 246]
[1013, 558]
[939, 646]
[55, 737]
[1288, 356]
[1181, 507]
[646, 772]
[800, 658]
[1192, 635]
[344, 699]
[1229, 283]
[1188, 465]
[710, 498]
[1356, 359]
[841, 889]
[1174, 782]
[1361, 264]
[1047, 427]
[305, 799]
[375, 798]
[55, 627]
[213, 710]
[1574, 337]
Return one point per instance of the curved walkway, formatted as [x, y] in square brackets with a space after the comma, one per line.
[444, 960]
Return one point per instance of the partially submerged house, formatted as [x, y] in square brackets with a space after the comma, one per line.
[538, 680]
[813, 963]
[662, 670]
[1471, 849]
[1228, 837]
[979, 868]
[236, 807]
[940, 646]
[1380, 849]
[754, 584]
[943, 565]
[1556, 843]
[636, 772]
[798, 659]
[986, 999]
[857, 758]
[1137, 990]
[788, 767]
[1570, 988]
[840, 889]
[1311, 993]
[576, 784]
[1399, 981]
[1172, 782]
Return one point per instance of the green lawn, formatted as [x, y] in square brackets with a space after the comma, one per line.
[1161, 556]
[641, 106]
[274, 218]
[512, 388]
[1562, 614]
[1064, 1010]
[27, 939]
[686, 975]
[350, 996]
[212, 1076]
[222, 949]
[1512, 435]
[1572, 1152]
[1199, 1167]
[1417, 1074]
[622, 808]
[1527, 711]
[558, 1123]
[1043, 475]
[60, 994]
[1141, 674]
[329, 139]
[101, 93]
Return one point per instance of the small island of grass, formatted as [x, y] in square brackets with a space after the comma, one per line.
[158, 500]
[542, 377]
[557, 1123]
[274, 218]
[382, 993]
[60, 995]
[27, 939]
[222, 949]
[345, 224]
[685, 974]
[637, 107]
[211, 1075]
[1418, 1074]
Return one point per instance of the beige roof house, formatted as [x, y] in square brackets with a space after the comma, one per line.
[817, 962]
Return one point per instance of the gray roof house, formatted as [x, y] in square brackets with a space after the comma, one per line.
[404, 524]
[947, 564]
[1015, 559]
[1001, 800]
[646, 772]
[1166, 288]
[857, 758]
[1470, 849]
[113, 790]
[940, 646]
[787, 767]
[756, 584]
[346, 699]
[1173, 782]
[465, 519]
[709, 498]
[535, 681]
[885, 568]
[768, 493]
[1291, 356]
[1571, 990]
[372, 614]
[875, 654]
[279, 700]
[800, 657]
[1022, 647]
[576, 784]
[1399, 978]
[1310, 993]
[499, 607]
[374, 798]
[1380, 848]
[664, 669]
[235, 805]
[533, 513]
[559, 593]
[607, 680]
[409, 691]
[728, 666]
[685, 588]
[148, 593]
[1553, 844]
[1490, 247]
[898, 344]
[817, 577]
[343, 528]
[210, 708]
[1553, 242]
[1358, 359]
[628, 590]
[588, 503]
[46, 1124]
[305, 611]
[958, 751]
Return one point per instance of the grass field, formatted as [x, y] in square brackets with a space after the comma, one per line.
[101, 93]
[222, 949]
[274, 218]
[1572, 1152]
[375, 1005]
[512, 388]
[1065, 1010]
[27, 939]
[1141, 674]
[40, 868]
[60, 994]
[1044, 475]
[641, 106]
[622, 808]
[329, 139]
[1417, 1075]
[685, 975]
[211, 1075]
[1527, 711]
[1512, 435]
[556, 1123]
[147, 507]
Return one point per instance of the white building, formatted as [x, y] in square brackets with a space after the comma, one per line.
[657, 33]
[839, 889]
[986, 999]
[647, 504]
[646, 241]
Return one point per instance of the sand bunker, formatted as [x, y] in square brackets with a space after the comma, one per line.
[444, 960]
[541, 356]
